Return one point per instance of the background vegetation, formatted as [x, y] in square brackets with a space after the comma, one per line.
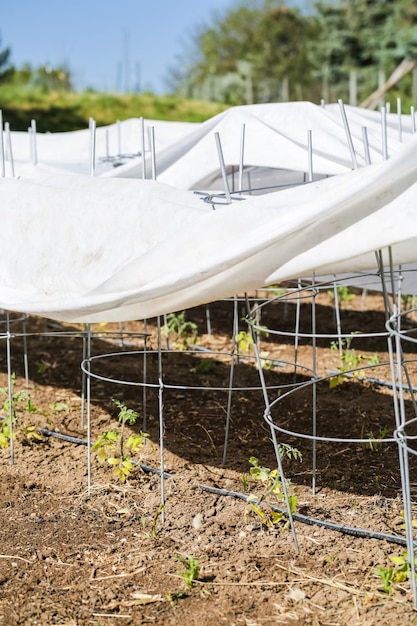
[257, 51]
[56, 111]
[265, 50]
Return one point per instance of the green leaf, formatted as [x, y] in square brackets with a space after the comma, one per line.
[276, 517]
[127, 464]
[60, 406]
[397, 560]
[102, 455]
[120, 475]
[135, 442]
[111, 435]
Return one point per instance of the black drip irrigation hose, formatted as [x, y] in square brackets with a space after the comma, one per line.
[376, 381]
[311, 521]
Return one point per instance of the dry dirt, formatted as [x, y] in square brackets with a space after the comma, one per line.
[108, 555]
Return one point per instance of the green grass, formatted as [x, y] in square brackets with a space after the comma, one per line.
[58, 112]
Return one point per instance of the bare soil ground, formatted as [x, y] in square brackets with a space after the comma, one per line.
[108, 555]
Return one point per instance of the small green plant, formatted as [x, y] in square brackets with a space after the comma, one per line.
[377, 483]
[190, 573]
[277, 291]
[112, 448]
[272, 486]
[374, 442]
[373, 360]
[143, 521]
[59, 407]
[398, 572]
[16, 396]
[408, 302]
[28, 434]
[174, 596]
[32, 408]
[350, 360]
[191, 570]
[343, 294]
[205, 366]
[386, 575]
[31, 435]
[5, 430]
[287, 450]
[244, 341]
[42, 366]
[5, 434]
[245, 482]
[185, 333]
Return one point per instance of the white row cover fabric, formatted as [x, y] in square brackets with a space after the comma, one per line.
[69, 152]
[276, 136]
[85, 249]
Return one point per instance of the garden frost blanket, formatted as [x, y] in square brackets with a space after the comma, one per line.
[83, 249]
[186, 156]
[276, 136]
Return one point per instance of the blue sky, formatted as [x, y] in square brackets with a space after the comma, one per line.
[108, 44]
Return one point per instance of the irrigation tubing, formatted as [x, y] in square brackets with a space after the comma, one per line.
[298, 517]
[376, 381]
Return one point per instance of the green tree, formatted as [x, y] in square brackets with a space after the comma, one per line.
[6, 68]
[363, 33]
[258, 41]
[281, 49]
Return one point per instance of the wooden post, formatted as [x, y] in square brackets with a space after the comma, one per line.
[400, 71]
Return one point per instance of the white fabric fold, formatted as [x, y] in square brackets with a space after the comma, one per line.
[84, 249]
